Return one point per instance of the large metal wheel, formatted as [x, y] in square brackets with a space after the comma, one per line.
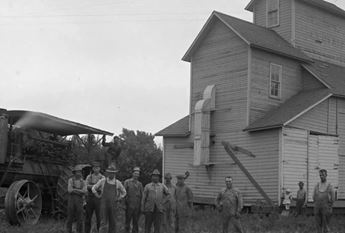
[23, 203]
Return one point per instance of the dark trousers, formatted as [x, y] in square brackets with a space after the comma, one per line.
[322, 212]
[108, 221]
[154, 218]
[75, 211]
[132, 215]
[181, 223]
[235, 220]
[93, 204]
[299, 207]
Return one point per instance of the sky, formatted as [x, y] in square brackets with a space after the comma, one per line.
[110, 64]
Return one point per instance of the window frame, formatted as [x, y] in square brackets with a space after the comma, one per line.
[278, 13]
[279, 82]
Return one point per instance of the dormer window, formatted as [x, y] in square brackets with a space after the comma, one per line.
[275, 80]
[272, 13]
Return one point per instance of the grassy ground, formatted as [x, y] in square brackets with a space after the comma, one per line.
[204, 221]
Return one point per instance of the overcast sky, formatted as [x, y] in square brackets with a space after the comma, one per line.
[111, 64]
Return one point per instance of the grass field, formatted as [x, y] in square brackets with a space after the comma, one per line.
[204, 221]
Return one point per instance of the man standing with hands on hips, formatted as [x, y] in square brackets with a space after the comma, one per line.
[229, 204]
[110, 190]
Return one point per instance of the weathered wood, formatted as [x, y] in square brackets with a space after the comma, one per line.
[228, 149]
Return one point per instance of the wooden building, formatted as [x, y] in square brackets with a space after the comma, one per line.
[275, 91]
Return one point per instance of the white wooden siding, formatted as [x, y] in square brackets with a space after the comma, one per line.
[260, 102]
[320, 34]
[285, 14]
[205, 184]
[323, 155]
[304, 155]
[315, 120]
[294, 158]
[341, 189]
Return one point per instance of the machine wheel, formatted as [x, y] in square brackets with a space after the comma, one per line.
[61, 193]
[23, 203]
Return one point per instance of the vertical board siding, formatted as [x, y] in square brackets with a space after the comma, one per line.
[207, 183]
[320, 34]
[285, 14]
[294, 158]
[260, 102]
[341, 189]
[304, 155]
[323, 155]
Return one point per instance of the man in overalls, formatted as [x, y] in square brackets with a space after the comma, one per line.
[169, 214]
[184, 204]
[229, 204]
[93, 203]
[76, 189]
[324, 198]
[110, 190]
[134, 190]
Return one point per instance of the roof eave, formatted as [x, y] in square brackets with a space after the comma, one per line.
[254, 129]
[306, 59]
[187, 56]
[250, 6]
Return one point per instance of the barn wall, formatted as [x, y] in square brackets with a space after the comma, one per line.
[321, 118]
[285, 17]
[328, 118]
[320, 34]
[260, 101]
[207, 183]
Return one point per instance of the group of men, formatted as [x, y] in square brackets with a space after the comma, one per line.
[166, 206]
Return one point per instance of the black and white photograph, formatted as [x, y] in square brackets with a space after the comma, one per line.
[181, 116]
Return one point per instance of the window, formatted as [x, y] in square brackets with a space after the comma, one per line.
[272, 13]
[275, 80]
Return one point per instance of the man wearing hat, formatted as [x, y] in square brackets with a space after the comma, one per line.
[301, 199]
[93, 203]
[169, 213]
[324, 198]
[229, 203]
[110, 190]
[152, 202]
[76, 189]
[184, 204]
[134, 190]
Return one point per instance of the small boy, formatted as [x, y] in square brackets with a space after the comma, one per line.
[301, 199]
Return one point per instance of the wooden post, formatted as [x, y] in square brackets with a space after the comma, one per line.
[231, 153]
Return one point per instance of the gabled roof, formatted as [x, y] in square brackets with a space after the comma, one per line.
[178, 129]
[332, 76]
[254, 35]
[324, 5]
[290, 110]
[50, 124]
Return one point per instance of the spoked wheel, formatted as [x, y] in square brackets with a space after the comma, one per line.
[23, 203]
